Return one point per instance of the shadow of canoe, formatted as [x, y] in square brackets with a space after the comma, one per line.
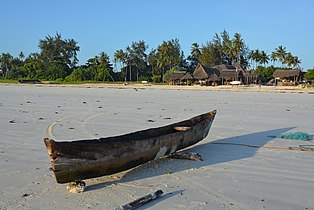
[214, 152]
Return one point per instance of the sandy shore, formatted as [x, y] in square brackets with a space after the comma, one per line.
[241, 88]
[230, 177]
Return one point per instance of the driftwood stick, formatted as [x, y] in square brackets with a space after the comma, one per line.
[141, 201]
[187, 156]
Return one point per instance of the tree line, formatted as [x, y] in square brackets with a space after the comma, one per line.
[57, 59]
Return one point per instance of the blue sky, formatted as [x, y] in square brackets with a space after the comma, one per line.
[100, 25]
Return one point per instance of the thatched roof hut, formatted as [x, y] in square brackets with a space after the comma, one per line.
[224, 74]
[286, 74]
[287, 77]
[176, 75]
[206, 73]
[179, 76]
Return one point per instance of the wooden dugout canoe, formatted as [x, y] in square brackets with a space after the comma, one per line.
[83, 159]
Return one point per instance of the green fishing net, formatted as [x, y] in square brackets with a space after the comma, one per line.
[295, 136]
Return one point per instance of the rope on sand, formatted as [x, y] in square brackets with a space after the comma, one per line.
[303, 148]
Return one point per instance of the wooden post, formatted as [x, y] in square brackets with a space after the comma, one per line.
[141, 201]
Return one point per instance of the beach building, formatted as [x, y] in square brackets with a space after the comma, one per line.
[206, 75]
[228, 73]
[250, 77]
[180, 78]
[212, 76]
[287, 77]
[223, 75]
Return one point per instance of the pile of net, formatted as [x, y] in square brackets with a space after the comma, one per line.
[295, 136]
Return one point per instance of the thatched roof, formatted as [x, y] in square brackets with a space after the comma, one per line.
[286, 73]
[213, 77]
[180, 75]
[203, 72]
[224, 67]
[228, 74]
[176, 75]
[187, 76]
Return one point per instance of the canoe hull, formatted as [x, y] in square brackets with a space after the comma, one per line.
[83, 159]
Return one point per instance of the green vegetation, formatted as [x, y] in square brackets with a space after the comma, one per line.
[266, 73]
[280, 54]
[7, 80]
[57, 60]
[222, 50]
[168, 73]
[309, 74]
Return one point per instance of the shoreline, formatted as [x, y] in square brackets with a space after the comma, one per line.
[228, 88]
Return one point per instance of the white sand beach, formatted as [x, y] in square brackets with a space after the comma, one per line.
[230, 177]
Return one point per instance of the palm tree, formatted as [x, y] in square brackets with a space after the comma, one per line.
[251, 57]
[238, 45]
[21, 56]
[255, 55]
[120, 56]
[264, 58]
[229, 50]
[281, 53]
[5, 61]
[71, 51]
[174, 53]
[92, 64]
[195, 50]
[289, 59]
[273, 57]
[152, 59]
[163, 57]
[104, 65]
[296, 62]
[139, 56]
[129, 59]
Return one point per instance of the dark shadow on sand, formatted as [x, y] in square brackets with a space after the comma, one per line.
[212, 152]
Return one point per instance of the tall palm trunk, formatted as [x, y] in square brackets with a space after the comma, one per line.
[130, 71]
[163, 73]
[136, 73]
